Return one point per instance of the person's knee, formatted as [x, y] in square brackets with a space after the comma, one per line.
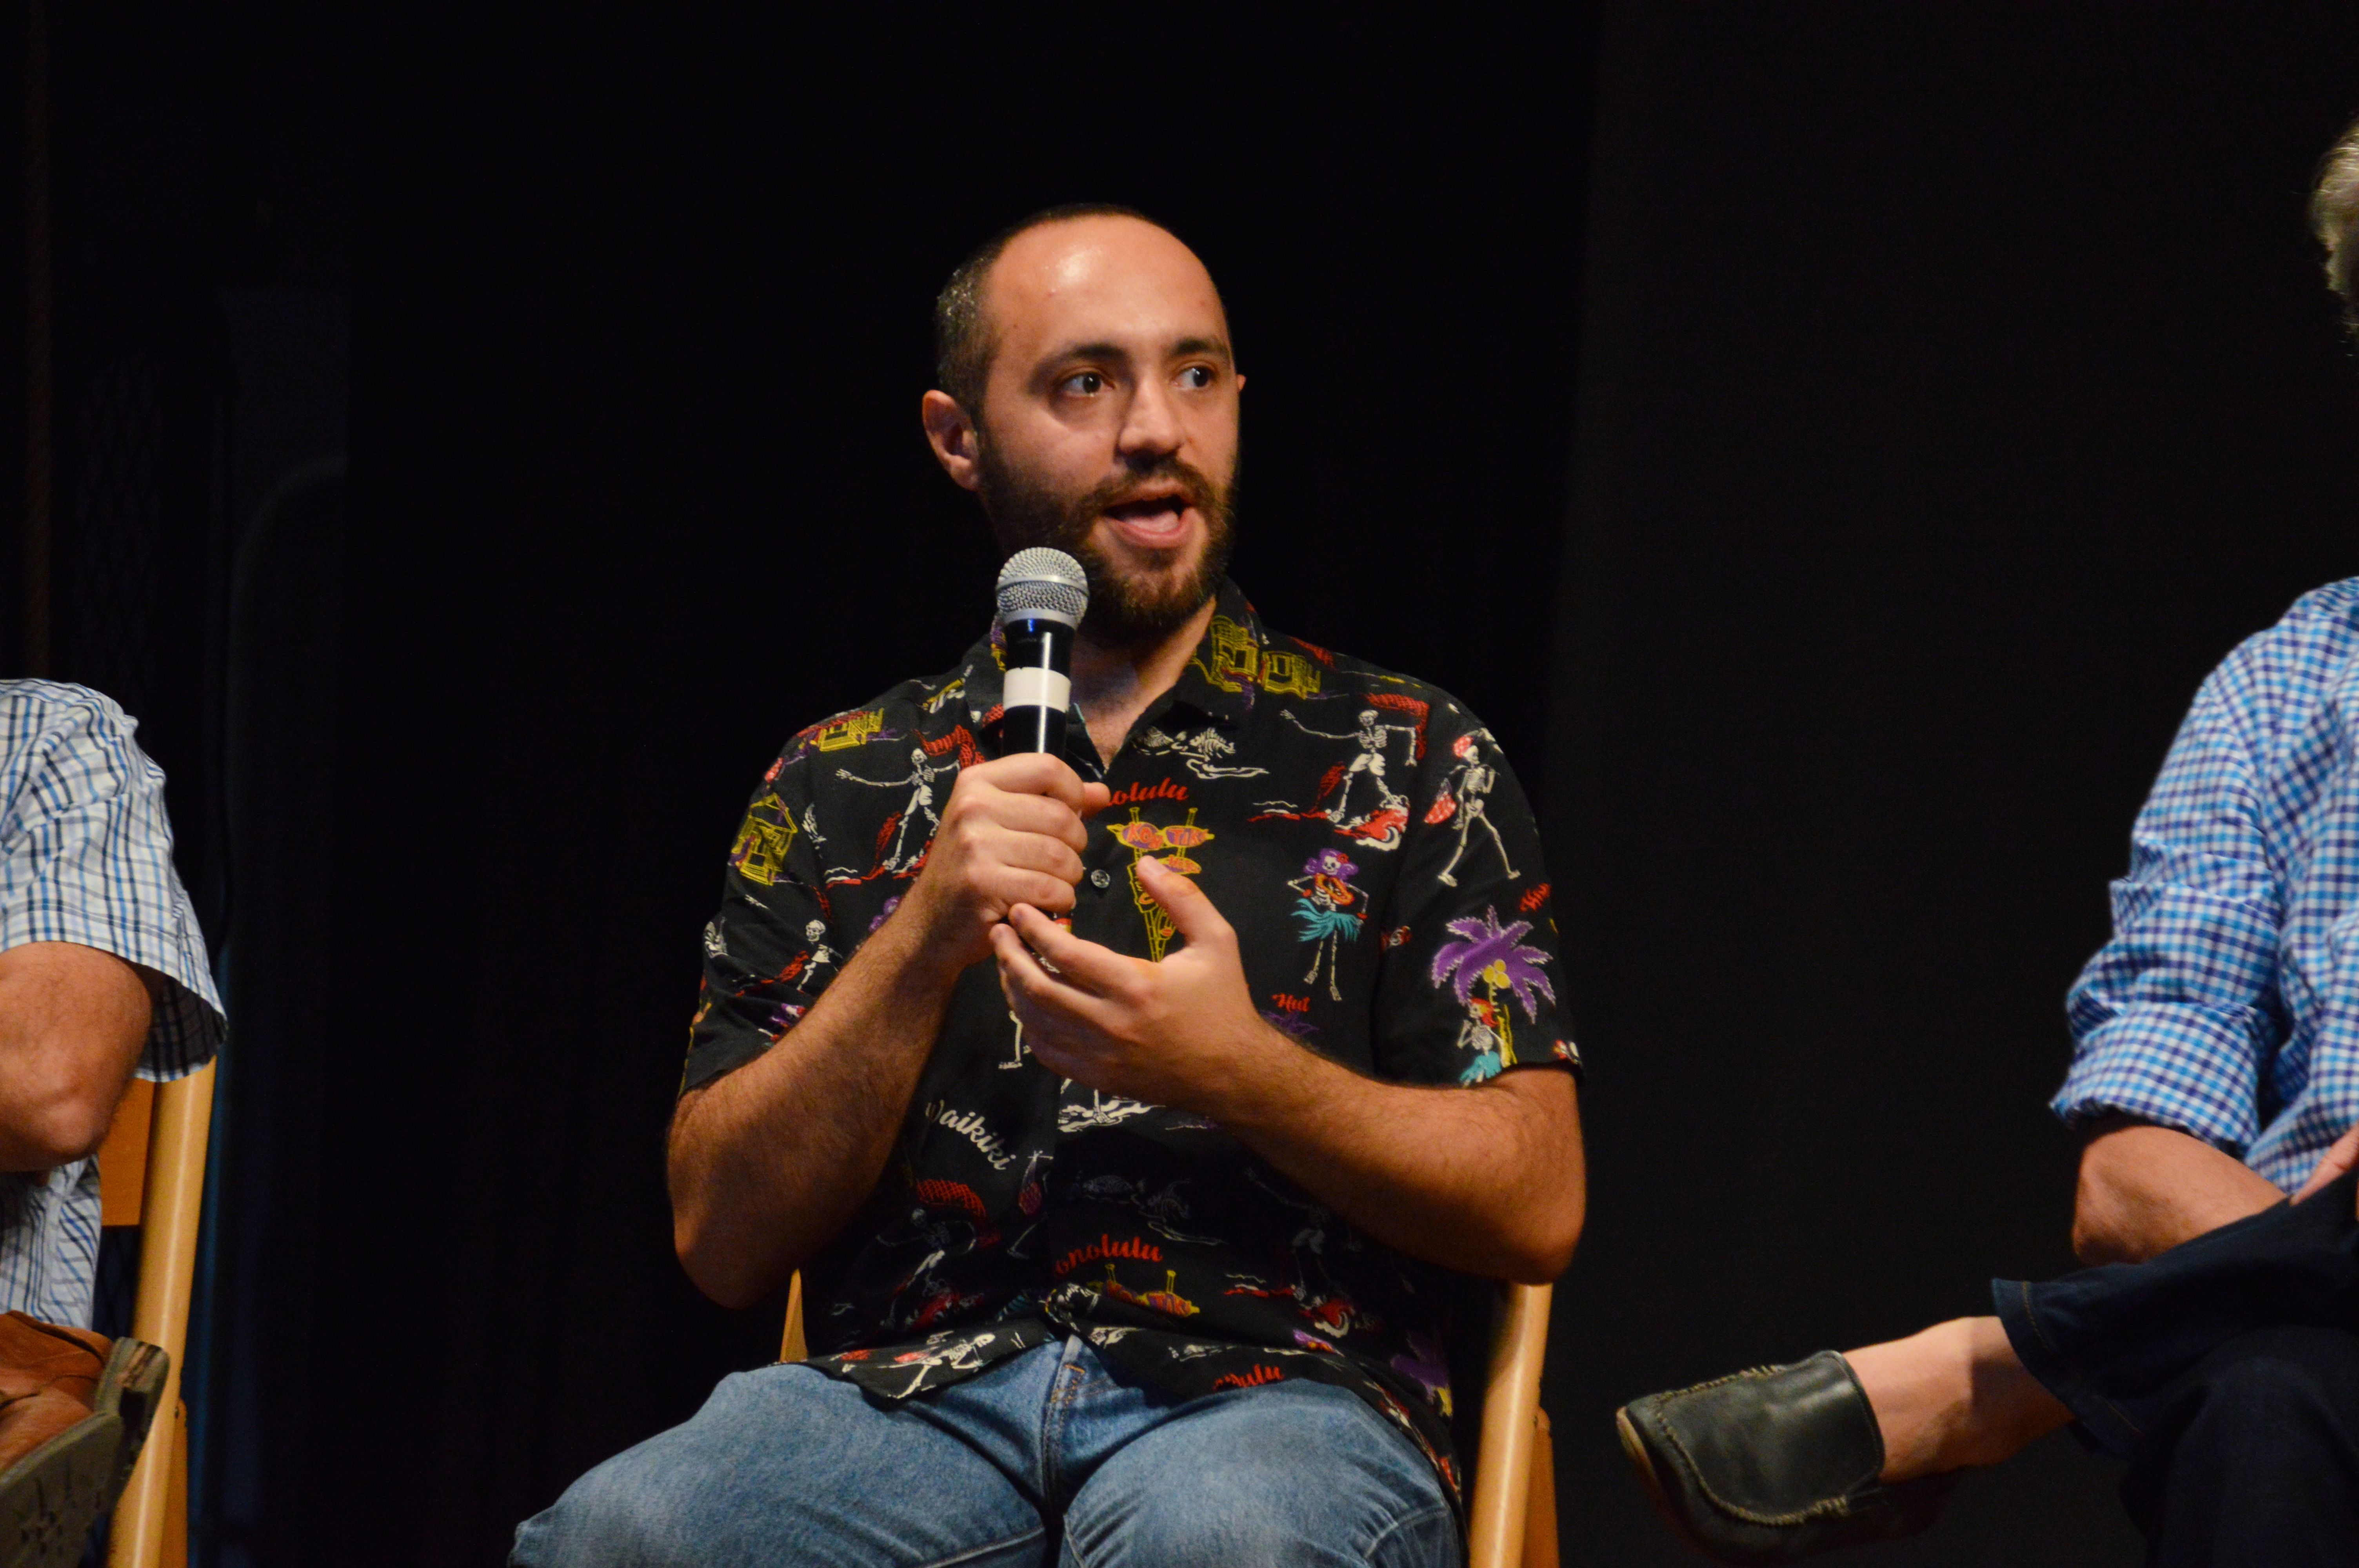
[618, 1513]
[1210, 1528]
[1317, 1479]
[651, 1504]
[2263, 1389]
[1241, 1521]
[2257, 1446]
[785, 1464]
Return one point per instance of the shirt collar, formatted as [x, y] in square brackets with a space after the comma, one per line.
[1219, 680]
[1221, 676]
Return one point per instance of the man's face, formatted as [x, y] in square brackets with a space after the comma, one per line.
[1109, 420]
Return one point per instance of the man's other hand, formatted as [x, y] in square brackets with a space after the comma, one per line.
[1182, 1032]
[2334, 1163]
[1012, 835]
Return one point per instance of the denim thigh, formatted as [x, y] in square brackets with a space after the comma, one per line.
[787, 1464]
[1285, 1474]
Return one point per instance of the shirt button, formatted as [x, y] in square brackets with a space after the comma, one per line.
[1099, 880]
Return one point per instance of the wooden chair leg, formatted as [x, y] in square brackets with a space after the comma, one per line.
[1503, 1465]
[168, 1264]
[176, 1511]
[1539, 1514]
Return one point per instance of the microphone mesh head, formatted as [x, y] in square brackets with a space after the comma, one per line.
[1042, 583]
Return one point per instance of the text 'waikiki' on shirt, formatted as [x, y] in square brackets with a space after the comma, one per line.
[1365, 836]
[2227, 1003]
[86, 856]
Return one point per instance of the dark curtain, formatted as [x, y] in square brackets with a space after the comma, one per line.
[1958, 387]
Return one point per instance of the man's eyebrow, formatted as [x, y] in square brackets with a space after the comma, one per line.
[1100, 351]
[1219, 346]
[1105, 351]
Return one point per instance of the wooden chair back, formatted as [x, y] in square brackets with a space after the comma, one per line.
[1511, 1521]
[151, 1173]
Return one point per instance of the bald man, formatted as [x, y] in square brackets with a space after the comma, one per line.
[1142, 1118]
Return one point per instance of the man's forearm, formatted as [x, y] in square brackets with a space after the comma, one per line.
[1488, 1180]
[2144, 1189]
[71, 1023]
[766, 1163]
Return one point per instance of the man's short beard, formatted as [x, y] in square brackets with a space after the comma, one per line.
[1122, 613]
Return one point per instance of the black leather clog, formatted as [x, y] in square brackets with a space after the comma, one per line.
[1774, 1464]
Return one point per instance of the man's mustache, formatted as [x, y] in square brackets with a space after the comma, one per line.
[1194, 488]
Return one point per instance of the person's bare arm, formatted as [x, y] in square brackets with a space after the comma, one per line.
[2144, 1189]
[1488, 1180]
[769, 1162]
[72, 1020]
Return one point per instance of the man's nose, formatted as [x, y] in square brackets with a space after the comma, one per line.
[1150, 426]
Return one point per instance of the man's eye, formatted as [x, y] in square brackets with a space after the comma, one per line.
[1088, 382]
[1197, 377]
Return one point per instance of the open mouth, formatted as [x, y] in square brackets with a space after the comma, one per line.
[1155, 520]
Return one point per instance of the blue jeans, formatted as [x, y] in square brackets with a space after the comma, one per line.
[1042, 1458]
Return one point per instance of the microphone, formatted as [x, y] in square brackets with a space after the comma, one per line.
[1042, 593]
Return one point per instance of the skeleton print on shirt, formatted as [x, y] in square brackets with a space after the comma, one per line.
[1364, 834]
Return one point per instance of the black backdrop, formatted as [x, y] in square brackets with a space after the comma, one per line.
[1828, 442]
[1958, 387]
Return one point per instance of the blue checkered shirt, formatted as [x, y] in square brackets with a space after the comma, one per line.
[86, 856]
[2227, 1003]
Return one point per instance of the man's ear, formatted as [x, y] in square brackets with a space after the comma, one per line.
[953, 438]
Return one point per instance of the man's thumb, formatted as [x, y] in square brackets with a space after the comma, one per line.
[1192, 914]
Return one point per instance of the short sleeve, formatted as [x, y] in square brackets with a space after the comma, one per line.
[2175, 1019]
[86, 856]
[1467, 987]
[769, 952]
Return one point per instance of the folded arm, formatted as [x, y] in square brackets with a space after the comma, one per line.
[1445, 1174]
[72, 1020]
[766, 1163]
[2175, 1019]
[2144, 1189]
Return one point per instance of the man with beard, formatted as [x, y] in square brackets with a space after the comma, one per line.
[1123, 1240]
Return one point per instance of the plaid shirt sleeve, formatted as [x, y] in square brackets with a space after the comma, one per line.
[2175, 1020]
[86, 856]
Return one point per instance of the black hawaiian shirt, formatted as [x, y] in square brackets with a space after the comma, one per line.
[1364, 834]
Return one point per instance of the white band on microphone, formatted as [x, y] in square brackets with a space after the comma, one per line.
[1032, 688]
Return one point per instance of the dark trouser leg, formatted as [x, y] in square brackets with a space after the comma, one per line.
[2253, 1459]
[2226, 1371]
[2112, 1343]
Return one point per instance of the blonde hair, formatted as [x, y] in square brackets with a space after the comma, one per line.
[2334, 219]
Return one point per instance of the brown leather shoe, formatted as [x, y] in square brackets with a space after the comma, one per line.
[49, 1380]
[74, 1410]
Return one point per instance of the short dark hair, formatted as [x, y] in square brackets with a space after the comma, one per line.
[961, 347]
[2334, 219]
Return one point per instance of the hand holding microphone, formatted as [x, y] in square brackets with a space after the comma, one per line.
[1012, 831]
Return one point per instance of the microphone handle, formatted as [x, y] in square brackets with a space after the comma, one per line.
[1038, 689]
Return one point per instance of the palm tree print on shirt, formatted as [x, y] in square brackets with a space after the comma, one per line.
[1497, 958]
